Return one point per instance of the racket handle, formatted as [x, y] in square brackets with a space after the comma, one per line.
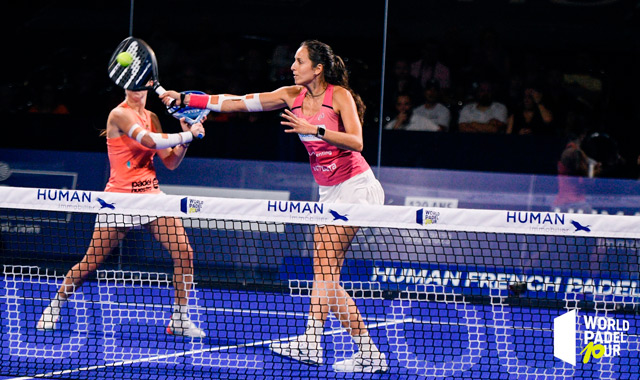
[160, 90]
[200, 136]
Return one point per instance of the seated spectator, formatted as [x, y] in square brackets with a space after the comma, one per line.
[429, 67]
[432, 109]
[489, 57]
[406, 119]
[484, 114]
[585, 81]
[48, 101]
[531, 116]
[400, 81]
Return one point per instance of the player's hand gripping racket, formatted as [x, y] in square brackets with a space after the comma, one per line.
[191, 115]
[133, 66]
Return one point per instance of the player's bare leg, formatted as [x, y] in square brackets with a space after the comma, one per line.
[103, 241]
[170, 232]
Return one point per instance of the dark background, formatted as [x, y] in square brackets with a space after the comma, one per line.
[62, 48]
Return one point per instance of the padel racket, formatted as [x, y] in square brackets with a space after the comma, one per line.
[141, 73]
[191, 115]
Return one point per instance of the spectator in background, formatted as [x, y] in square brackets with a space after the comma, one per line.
[280, 64]
[585, 81]
[400, 81]
[574, 165]
[484, 114]
[406, 119]
[429, 67]
[437, 113]
[48, 101]
[489, 58]
[531, 116]
[556, 94]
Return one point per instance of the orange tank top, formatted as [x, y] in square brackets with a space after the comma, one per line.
[131, 163]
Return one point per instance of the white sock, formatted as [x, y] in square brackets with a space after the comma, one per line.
[365, 344]
[56, 303]
[314, 330]
[180, 313]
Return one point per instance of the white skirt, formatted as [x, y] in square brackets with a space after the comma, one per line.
[361, 189]
[122, 221]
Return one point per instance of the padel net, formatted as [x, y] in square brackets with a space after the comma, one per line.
[443, 292]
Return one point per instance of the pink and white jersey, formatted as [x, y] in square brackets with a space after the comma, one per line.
[330, 165]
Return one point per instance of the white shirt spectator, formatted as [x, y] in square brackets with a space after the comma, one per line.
[439, 115]
[470, 113]
[415, 123]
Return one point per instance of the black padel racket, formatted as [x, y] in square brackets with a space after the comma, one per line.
[141, 73]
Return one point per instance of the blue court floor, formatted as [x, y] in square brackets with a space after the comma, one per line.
[117, 330]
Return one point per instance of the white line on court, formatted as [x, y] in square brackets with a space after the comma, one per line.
[178, 354]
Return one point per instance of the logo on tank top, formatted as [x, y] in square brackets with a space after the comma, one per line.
[320, 168]
[144, 185]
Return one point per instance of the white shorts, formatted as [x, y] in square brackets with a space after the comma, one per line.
[122, 221]
[361, 189]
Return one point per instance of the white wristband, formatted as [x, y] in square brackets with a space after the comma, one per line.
[187, 137]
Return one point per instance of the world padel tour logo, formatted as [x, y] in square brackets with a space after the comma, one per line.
[602, 336]
[424, 217]
[190, 205]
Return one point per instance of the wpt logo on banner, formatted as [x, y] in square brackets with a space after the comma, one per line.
[190, 205]
[602, 337]
[425, 217]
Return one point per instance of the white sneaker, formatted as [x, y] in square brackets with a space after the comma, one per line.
[49, 318]
[377, 363]
[185, 328]
[300, 350]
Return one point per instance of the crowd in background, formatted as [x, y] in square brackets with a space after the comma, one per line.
[452, 86]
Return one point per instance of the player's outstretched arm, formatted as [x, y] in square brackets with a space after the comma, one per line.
[257, 102]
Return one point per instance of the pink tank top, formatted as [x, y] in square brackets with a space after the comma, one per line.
[131, 163]
[330, 165]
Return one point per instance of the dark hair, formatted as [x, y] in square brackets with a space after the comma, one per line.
[335, 71]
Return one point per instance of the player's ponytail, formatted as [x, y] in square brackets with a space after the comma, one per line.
[335, 71]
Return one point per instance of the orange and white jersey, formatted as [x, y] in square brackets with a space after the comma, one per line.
[132, 169]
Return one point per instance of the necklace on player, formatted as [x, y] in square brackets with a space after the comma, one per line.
[310, 94]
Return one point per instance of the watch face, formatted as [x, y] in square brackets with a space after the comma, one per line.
[321, 131]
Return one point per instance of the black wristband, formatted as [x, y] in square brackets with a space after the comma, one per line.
[182, 95]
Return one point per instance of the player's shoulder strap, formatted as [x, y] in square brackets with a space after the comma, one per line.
[328, 97]
[297, 102]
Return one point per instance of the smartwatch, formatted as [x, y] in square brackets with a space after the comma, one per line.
[321, 131]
